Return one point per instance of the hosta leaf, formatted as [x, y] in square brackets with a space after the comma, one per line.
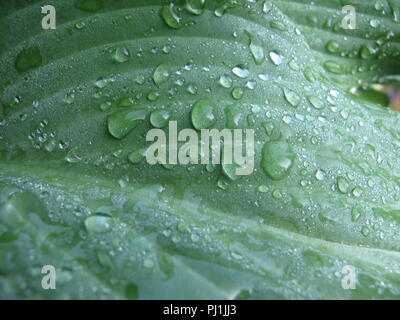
[75, 194]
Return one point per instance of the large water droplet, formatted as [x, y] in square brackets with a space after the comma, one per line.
[161, 74]
[98, 224]
[291, 97]
[195, 7]
[203, 114]
[170, 17]
[159, 118]
[121, 55]
[277, 159]
[122, 122]
[256, 48]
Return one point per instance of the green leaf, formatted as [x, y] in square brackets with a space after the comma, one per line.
[75, 194]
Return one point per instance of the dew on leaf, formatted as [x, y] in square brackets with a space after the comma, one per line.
[291, 97]
[121, 55]
[277, 159]
[97, 224]
[159, 118]
[160, 74]
[122, 122]
[256, 48]
[89, 5]
[240, 71]
[225, 81]
[342, 184]
[170, 17]
[195, 7]
[203, 114]
[276, 58]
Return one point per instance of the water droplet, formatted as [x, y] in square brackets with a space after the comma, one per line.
[293, 65]
[80, 25]
[105, 106]
[160, 74]
[357, 192]
[309, 74]
[101, 83]
[137, 156]
[241, 71]
[121, 55]
[28, 58]
[203, 114]
[97, 224]
[277, 159]
[355, 215]
[291, 97]
[275, 24]
[333, 67]
[374, 23]
[367, 52]
[256, 48]
[225, 81]
[159, 118]
[192, 88]
[195, 7]
[332, 46]
[131, 292]
[170, 17]
[69, 98]
[320, 175]
[89, 5]
[365, 231]
[251, 84]
[237, 93]
[342, 184]
[267, 6]
[316, 103]
[122, 122]
[276, 58]
[222, 184]
[276, 194]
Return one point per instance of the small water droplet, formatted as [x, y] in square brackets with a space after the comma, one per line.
[170, 17]
[241, 71]
[291, 97]
[342, 184]
[98, 224]
[195, 7]
[160, 74]
[121, 55]
[122, 122]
